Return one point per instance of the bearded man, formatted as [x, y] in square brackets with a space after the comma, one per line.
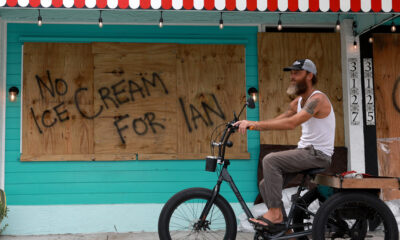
[313, 111]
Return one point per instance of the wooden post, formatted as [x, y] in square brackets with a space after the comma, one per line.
[352, 97]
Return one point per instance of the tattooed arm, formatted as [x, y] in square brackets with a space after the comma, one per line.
[292, 110]
[285, 123]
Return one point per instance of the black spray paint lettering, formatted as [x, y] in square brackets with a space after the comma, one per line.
[196, 114]
[115, 96]
[118, 92]
[62, 115]
[83, 114]
[134, 88]
[139, 125]
[153, 83]
[52, 88]
[34, 118]
[105, 95]
[59, 87]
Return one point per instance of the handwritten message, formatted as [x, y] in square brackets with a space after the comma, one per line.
[114, 96]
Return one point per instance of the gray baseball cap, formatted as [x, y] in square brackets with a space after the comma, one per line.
[303, 64]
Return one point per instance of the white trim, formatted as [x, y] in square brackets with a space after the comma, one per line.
[3, 96]
[354, 134]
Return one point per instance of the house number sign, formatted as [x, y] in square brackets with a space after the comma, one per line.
[369, 91]
[354, 90]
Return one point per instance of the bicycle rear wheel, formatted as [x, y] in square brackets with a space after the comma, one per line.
[346, 216]
[179, 218]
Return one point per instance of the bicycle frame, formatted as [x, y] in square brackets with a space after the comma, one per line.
[225, 176]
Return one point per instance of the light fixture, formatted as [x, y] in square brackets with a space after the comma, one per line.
[221, 22]
[13, 93]
[370, 39]
[279, 23]
[393, 28]
[354, 35]
[39, 19]
[161, 23]
[337, 24]
[253, 92]
[100, 20]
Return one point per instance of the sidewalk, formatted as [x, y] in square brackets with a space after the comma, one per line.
[120, 236]
[106, 236]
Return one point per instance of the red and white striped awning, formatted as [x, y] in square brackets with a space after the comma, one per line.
[218, 5]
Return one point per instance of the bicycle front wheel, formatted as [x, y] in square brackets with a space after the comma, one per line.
[180, 217]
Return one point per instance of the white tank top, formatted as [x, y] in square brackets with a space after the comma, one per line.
[319, 132]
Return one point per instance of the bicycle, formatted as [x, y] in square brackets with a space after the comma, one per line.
[200, 213]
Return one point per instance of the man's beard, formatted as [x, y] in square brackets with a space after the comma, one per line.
[298, 88]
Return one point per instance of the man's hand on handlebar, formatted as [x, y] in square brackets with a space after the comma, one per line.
[243, 125]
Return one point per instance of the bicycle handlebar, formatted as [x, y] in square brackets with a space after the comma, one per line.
[229, 130]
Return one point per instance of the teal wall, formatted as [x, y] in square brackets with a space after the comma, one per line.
[44, 183]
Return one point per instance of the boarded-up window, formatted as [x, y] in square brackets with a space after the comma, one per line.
[123, 101]
[387, 93]
[324, 50]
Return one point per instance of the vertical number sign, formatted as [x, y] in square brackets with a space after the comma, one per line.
[369, 92]
[355, 95]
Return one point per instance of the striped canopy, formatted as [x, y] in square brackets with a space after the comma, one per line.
[218, 5]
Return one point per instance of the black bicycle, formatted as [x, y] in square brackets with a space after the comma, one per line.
[200, 213]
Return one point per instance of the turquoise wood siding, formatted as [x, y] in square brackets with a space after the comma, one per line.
[42, 183]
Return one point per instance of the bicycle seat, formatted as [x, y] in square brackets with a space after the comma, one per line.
[313, 171]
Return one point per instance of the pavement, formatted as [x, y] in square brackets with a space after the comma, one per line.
[122, 236]
[106, 236]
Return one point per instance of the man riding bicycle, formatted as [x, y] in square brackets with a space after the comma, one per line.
[313, 111]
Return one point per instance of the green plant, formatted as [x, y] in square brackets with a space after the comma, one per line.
[3, 209]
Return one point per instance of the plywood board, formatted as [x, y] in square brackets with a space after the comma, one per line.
[386, 52]
[210, 87]
[129, 101]
[143, 76]
[51, 123]
[278, 50]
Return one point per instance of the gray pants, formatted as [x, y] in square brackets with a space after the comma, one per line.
[280, 167]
